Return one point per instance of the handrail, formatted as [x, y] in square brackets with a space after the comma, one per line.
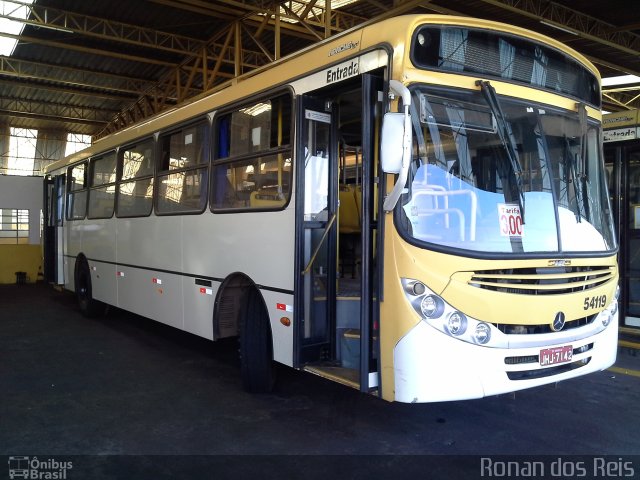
[324, 236]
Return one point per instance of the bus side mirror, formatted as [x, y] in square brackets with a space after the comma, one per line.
[391, 143]
[396, 145]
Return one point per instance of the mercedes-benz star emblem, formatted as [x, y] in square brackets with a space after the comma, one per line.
[558, 322]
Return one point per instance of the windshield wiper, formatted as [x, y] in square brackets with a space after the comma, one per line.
[584, 192]
[572, 176]
[506, 137]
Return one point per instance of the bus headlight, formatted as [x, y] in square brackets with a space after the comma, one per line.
[482, 333]
[614, 304]
[612, 309]
[418, 288]
[437, 313]
[457, 324]
[431, 306]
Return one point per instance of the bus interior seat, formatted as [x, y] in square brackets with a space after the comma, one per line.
[266, 198]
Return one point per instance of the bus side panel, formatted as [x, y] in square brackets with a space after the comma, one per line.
[199, 299]
[198, 258]
[280, 306]
[104, 285]
[73, 245]
[259, 245]
[99, 246]
[154, 295]
[149, 282]
[150, 242]
[165, 297]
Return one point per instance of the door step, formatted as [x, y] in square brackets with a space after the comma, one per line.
[345, 376]
[342, 375]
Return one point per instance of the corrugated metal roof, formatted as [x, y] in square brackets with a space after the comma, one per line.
[94, 59]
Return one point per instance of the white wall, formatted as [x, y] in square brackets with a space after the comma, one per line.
[24, 193]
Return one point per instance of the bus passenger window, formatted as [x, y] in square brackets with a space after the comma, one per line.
[252, 169]
[135, 191]
[103, 186]
[182, 180]
[77, 196]
[255, 183]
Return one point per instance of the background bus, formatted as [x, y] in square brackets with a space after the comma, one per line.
[622, 160]
[415, 208]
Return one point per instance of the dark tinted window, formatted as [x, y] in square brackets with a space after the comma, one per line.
[493, 54]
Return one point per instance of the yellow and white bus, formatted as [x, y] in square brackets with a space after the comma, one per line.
[416, 208]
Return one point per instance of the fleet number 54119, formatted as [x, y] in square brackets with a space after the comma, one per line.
[591, 303]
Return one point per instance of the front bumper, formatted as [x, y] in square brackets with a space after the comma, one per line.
[431, 366]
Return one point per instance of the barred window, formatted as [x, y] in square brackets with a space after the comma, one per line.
[14, 226]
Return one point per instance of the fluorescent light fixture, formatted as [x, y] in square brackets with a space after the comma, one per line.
[14, 10]
[620, 80]
[557, 26]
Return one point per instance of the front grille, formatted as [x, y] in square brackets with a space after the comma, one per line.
[511, 329]
[522, 359]
[547, 372]
[542, 281]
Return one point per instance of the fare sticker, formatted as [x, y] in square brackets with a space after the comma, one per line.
[510, 220]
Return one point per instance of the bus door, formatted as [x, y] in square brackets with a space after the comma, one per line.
[53, 239]
[371, 236]
[316, 223]
[337, 205]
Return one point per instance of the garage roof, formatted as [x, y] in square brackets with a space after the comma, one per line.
[95, 67]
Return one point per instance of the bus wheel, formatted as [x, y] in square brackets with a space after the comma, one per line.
[88, 306]
[256, 348]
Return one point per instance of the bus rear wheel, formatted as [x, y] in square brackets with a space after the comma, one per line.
[89, 307]
[256, 346]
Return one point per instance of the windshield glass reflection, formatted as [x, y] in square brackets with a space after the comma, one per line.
[509, 177]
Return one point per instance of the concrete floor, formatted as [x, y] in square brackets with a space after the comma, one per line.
[124, 385]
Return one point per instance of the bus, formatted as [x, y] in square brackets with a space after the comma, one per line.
[416, 208]
[622, 163]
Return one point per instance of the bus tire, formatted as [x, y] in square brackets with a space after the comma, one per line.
[256, 346]
[89, 307]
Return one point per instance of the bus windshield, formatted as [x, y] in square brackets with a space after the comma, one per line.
[497, 175]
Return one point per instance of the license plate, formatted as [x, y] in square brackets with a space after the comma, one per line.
[555, 355]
